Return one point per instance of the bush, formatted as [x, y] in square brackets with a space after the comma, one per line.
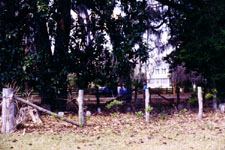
[192, 100]
[139, 113]
[149, 109]
[114, 104]
[183, 110]
[209, 96]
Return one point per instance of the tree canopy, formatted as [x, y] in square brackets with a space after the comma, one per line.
[197, 32]
[41, 42]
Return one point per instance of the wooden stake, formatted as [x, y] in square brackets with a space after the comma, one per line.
[200, 103]
[147, 106]
[8, 111]
[81, 115]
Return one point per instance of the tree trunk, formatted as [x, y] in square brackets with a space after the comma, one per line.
[60, 57]
[43, 47]
[8, 111]
[24, 114]
[135, 94]
[81, 114]
[214, 101]
[200, 103]
[34, 115]
[147, 106]
[178, 95]
[174, 87]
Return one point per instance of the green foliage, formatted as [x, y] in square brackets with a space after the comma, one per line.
[209, 96]
[197, 32]
[163, 116]
[115, 114]
[72, 80]
[192, 100]
[27, 28]
[54, 115]
[184, 110]
[210, 126]
[193, 91]
[137, 83]
[139, 114]
[212, 94]
[149, 109]
[214, 91]
[42, 7]
[81, 125]
[115, 103]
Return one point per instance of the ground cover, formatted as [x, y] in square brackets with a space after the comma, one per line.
[116, 131]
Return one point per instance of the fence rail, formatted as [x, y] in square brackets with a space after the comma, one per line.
[9, 109]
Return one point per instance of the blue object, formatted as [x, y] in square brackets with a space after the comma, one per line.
[106, 90]
[145, 87]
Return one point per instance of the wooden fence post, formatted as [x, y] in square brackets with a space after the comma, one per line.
[81, 115]
[200, 103]
[8, 111]
[147, 106]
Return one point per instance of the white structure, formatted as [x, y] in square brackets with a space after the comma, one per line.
[156, 70]
[159, 78]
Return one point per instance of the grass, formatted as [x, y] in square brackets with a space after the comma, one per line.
[126, 131]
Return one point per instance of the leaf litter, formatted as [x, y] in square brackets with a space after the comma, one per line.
[127, 130]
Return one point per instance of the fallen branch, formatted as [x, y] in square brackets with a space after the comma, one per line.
[163, 97]
[46, 111]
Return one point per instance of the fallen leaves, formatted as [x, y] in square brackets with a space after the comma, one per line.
[130, 130]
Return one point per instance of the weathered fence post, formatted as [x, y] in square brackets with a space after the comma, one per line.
[200, 103]
[8, 111]
[81, 108]
[147, 106]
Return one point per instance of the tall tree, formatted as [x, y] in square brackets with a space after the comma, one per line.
[197, 33]
[12, 51]
[86, 53]
[63, 20]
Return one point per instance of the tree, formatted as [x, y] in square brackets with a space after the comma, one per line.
[197, 33]
[11, 48]
[28, 43]
[93, 60]
[179, 76]
[25, 46]
[94, 21]
[29, 27]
